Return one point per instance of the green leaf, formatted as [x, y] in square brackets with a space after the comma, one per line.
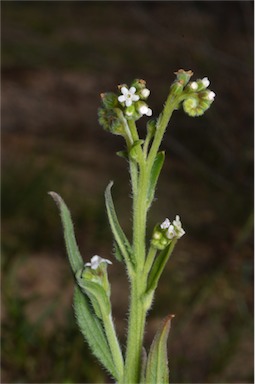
[157, 365]
[73, 252]
[123, 154]
[120, 237]
[92, 331]
[143, 366]
[158, 267]
[155, 172]
[134, 150]
[117, 252]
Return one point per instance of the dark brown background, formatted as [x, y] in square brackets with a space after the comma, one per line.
[57, 57]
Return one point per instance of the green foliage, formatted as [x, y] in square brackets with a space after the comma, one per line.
[92, 331]
[73, 252]
[157, 363]
[124, 247]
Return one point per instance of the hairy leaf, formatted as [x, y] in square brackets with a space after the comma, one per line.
[157, 365]
[120, 237]
[73, 252]
[158, 267]
[155, 172]
[92, 331]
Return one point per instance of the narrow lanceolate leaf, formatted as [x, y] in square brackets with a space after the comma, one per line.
[119, 235]
[73, 252]
[157, 365]
[155, 172]
[158, 267]
[92, 331]
[143, 366]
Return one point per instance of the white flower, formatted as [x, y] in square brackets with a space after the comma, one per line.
[178, 227]
[165, 224]
[205, 82]
[128, 96]
[145, 110]
[194, 85]
[171, 232]
[211, 95]
[145, 93]
[96, 261]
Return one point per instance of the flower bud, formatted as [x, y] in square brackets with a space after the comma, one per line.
[109, 100]
[110, 121]
[176, 88]
[183, 76]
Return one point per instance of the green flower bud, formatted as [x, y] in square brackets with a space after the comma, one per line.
[176, 88]
[197, 104]
[110, 121]
[183, 76]
[109, 99]
[159, 239]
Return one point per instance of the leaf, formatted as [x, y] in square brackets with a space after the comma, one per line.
[134, 150]
[117, 252]
[73, 252]
[158, 267]
[157, 365]
[120, 237]
[143, 366]
[92, 331]
[155, 172]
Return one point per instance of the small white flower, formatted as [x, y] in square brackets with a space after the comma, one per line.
[205, 82]
[145, 93]
[128, 96]
[165, 224]
[178, 227]
[211, 95]
[96, 261]
[194, 85]
[145, 110]
[171, 232]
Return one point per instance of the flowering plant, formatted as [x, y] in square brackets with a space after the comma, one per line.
[118, 114]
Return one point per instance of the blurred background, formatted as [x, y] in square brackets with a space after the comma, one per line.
[57, 57]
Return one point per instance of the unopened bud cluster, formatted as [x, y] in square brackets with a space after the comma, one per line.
[165, 232]
[130, 101]
[195, 95]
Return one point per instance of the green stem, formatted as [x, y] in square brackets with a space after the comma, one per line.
[113, 344]
[137, 314]
[135, 332]
[171, 103]
[138, 307]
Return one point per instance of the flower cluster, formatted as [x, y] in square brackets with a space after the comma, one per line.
[130, 101]
[195, 95]
[165, 232]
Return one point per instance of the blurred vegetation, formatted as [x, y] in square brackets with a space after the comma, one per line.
[57, 57]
